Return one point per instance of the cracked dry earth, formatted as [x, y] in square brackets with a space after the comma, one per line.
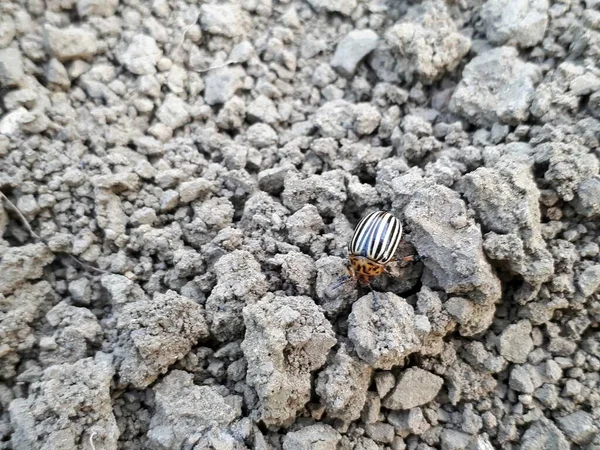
[179, 181]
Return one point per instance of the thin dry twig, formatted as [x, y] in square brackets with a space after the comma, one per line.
[185, 30]
[92, 440]
[21, 216]
[218, 66]
[39, 238]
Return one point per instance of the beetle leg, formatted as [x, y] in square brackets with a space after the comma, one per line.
[407, 259]
[375, 298]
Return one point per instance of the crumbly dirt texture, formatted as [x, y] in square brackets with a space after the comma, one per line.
[178, 184]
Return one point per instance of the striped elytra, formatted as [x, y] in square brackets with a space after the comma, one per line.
[376, 237]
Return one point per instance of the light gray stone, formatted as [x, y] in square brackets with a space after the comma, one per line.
[415, 387]
[11, 68]
[223, 19]
[312, 437]
[589, 280]
[352, 49]
[222, 84]
[515, 342]
[173, 112]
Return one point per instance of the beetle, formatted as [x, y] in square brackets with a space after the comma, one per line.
[373, 247]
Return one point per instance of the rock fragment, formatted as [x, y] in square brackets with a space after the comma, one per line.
[71, 43]
[385, 335]
[342, 386]
[57, 75]
[496, 86]
[415, 387]
[579, 427]
[451, 244]
[515, 22]
[352, 49]
[287, 338]
[69, 404]
[544, 434]
[155, 334]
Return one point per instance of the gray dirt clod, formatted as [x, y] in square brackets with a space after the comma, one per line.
[415, 387]
[11, 68]
[222, 84]
[287, 338]
[141, 55]
[185, 411]
[352, 49]
[568, 166]
[429, 40]
[342, 386]
[155, 334]
[17, 314]
[384, 336]
[70, 43]
[515, 22]
[506, 201]
[451, 244]
[326, 191]
[223, 20]
[496, 86]
[76, 330]
[312, 437]
[239, 282]
[329, 271]
[105, 8]
[299, 270]
[587, 197]
[19, 264]
[69, 404]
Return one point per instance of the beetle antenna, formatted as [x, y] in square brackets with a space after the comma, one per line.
[341, 281]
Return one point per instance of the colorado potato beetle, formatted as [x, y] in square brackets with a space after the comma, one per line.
[373, 247]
